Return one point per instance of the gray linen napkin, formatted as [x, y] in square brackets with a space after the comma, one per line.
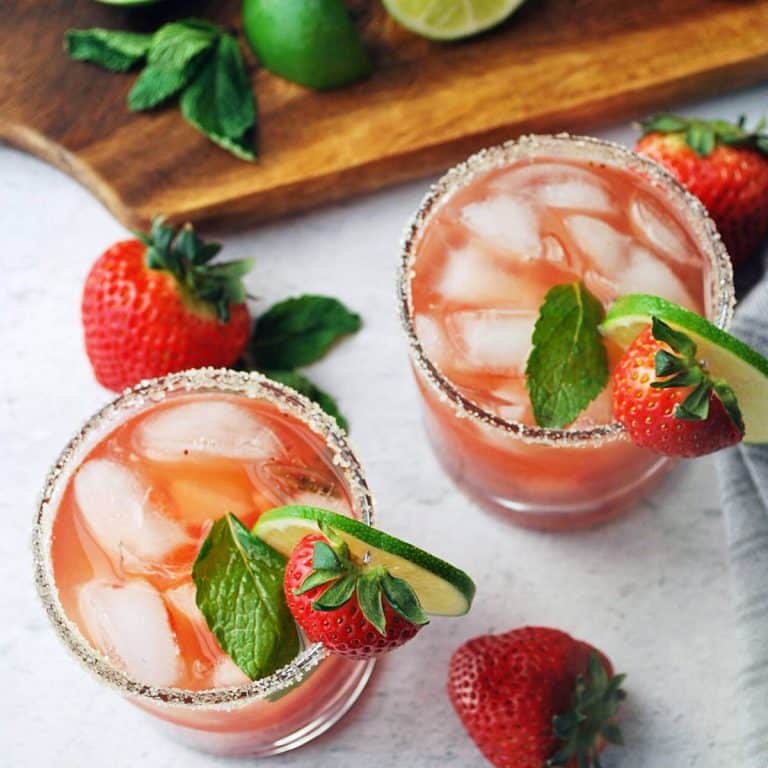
[743, 472]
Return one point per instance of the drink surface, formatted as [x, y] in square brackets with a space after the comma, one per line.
[490, 253]
[134, 514]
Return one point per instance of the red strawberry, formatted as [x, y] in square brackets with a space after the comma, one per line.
[667, 401]
[724, 165]
[155, 305]
[535, 697]
[355, 610]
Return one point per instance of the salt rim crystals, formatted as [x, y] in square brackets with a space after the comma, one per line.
[721, 292]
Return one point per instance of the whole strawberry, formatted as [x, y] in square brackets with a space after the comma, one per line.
[666, 399]
[724, 165]
[156, 304]
[355, 610]
[535, 697]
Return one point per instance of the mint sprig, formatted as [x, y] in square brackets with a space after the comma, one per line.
[568, 365]
[239, 583]
[193, 59]
[680, 368]
[373, 586]
[297, 332]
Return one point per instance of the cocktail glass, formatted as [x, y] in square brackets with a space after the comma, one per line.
[544, 478]
[274, 714]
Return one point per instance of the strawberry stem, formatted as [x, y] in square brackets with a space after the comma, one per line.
[185, 256]
[702, 136]
[684, 370]
[588, 722]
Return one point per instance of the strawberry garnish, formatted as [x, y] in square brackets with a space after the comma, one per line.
[535, 697]
[724, 165]
[667, 400]
[354, 609]
[157, 304]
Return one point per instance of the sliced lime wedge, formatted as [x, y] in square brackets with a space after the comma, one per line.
[442, 589]
[450, 19]
[724, 355]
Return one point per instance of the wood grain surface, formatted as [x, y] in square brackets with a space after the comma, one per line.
[556, 65]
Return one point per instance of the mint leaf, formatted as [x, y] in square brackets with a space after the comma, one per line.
[112, 49]
[239, 581]
[568, 366]
[173, 59]
[299, 331]
[219, 101]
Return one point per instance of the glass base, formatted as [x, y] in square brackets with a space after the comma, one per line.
[561, 515]
[274, 740]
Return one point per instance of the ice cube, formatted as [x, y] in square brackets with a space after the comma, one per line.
[182, 601]
[288, 483]
[661, 231]
[118, 511]
[646, 273]
[598, 412]
[493, 340]
[205, 429]
[604, 289]
[129, 624]
[507, 223]
[227, 674]
[575, 193]
[512, 402]
[432, 339]
[605, 246]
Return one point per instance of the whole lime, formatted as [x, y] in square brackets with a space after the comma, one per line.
[310, 42]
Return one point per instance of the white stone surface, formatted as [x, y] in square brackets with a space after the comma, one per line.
[650, 589]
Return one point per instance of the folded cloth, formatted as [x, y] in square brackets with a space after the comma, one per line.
[743, 474]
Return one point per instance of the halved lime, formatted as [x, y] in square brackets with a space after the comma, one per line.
[450, 19]
[442, 589]
[725, 356]
[310, 42]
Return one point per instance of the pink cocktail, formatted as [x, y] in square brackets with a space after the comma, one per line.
[121, 521]
[490, 239]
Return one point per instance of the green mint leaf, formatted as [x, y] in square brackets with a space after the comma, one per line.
[369, 598]
[300, 330]
[568, 366]
[727, 397]
[337, 594]
[302, 384]
[317, 579]
[403, 599]
[114, 50]
[324, 558]
[239, 581]
[173, 59]
[219, 101]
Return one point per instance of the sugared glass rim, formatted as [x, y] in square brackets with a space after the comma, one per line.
[145, 394]
[722, 297]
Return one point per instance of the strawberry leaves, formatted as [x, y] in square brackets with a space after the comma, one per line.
[596, 700]
[568, 366]
[702, 136]
[184, 255]
[680, 368]
[371, 585]
[191, 58]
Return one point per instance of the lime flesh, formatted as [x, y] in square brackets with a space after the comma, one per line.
[725, 356]
[442, 589]
[310, 42]
[450, 19]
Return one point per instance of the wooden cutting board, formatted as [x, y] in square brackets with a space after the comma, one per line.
[556, 65]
